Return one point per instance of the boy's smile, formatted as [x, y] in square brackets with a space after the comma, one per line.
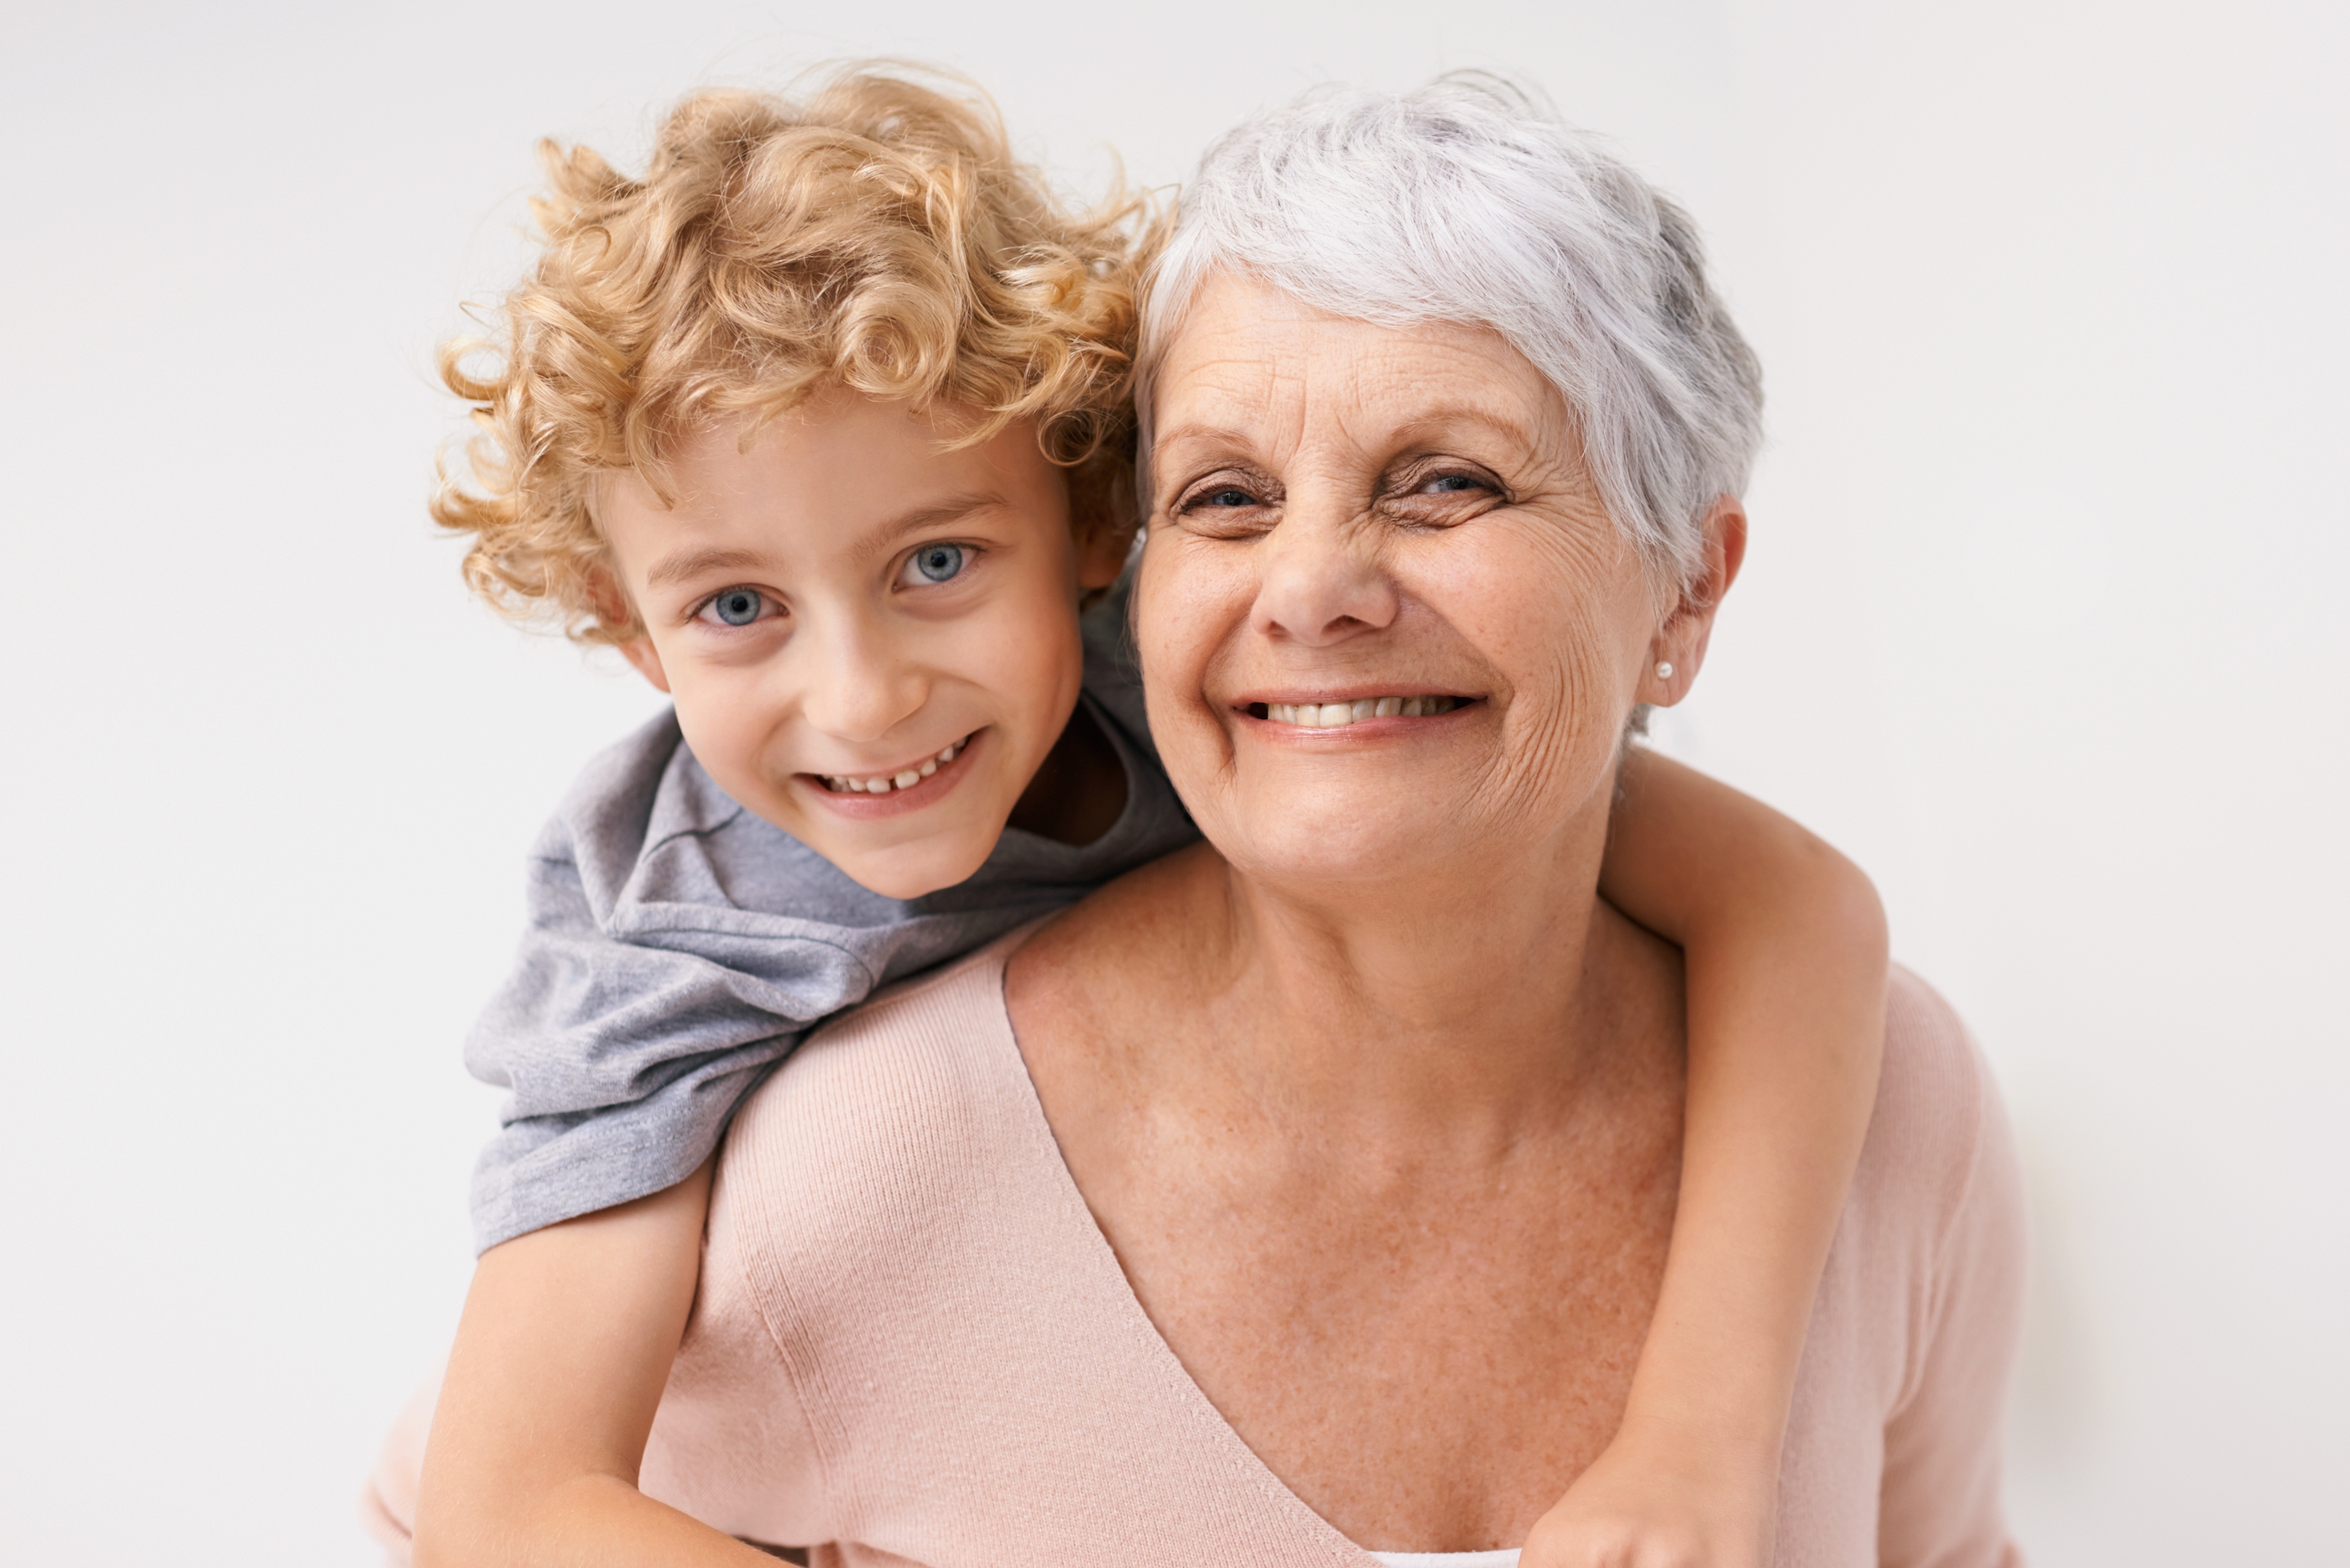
[871, 637]
[895, 789]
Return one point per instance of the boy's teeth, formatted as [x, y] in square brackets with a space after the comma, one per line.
[882, 783]
[1335, 715]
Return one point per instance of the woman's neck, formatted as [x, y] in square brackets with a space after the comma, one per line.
[1424, 1000]
[1468, 997]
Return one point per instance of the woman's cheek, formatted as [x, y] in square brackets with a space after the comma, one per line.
[1547, 614]
[1191, 597]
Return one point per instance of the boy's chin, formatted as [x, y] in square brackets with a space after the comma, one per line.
[911, 870]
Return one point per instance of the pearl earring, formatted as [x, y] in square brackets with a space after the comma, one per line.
[1664, 670]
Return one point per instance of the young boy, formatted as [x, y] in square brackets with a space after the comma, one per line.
[824, 423]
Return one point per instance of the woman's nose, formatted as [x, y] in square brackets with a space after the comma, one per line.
[854, 684]
[1321, 581]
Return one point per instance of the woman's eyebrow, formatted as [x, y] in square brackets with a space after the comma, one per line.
[1422, 424]
[1453, 417]
[1195, 431]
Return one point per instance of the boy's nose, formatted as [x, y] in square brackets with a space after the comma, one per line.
[856, 689]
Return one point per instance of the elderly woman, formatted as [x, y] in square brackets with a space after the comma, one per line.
[1258, 1209]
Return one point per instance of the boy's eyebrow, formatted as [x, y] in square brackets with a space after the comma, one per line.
[690, 564]
[687, 564]
[921, 517]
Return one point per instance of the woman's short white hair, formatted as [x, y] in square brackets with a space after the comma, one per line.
[1470, 200]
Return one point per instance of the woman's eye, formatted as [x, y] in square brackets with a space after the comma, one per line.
[1451, 483]
[1226, 495]
[737, 607]
[938, 562]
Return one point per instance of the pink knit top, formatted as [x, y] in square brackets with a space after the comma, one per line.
[912, 1344]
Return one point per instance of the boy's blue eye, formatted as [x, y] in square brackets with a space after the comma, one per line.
[937, 562]
[738, 606]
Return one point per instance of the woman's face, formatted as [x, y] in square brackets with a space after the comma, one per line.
[1352, 526]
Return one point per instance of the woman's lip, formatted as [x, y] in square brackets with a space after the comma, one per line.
[1298, 697]
[1366, 727]
[911, 797]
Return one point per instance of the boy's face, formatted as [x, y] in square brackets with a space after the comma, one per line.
[871, 640]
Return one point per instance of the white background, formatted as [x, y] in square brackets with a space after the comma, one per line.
[2042, 623]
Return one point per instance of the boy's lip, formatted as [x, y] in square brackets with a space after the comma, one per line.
[898, 802]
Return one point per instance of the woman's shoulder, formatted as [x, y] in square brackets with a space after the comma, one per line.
[906, 1088]
[1939, 1164]
[1926, 1283]
[1936, 1093]
[1148, 918]
[946, 1014]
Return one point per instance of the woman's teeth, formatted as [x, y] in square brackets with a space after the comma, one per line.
[882, 783]
[1332, 715]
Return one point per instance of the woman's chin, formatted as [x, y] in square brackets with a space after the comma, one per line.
[1319, 840]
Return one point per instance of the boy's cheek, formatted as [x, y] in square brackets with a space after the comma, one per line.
[1018, 666]
[1027, 650]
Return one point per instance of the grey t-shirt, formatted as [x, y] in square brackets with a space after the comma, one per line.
[678, 947]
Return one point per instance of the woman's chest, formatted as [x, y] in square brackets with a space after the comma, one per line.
[1426, 1356]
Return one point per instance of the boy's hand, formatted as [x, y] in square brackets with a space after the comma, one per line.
[1655, 1505]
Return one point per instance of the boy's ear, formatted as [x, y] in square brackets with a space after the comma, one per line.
[1102, 549]
[638, 650]
[1103, 522]
[612, 609]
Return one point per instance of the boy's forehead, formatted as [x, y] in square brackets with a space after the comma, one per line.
[845, 444]
[855, 477]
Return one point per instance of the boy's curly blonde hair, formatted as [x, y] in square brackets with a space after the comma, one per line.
[876, 235]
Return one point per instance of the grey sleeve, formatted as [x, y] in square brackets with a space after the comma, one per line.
[623, 1060]
[677, 947]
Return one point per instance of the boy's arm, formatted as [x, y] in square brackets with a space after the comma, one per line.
[565, 1347]
[1785, 947]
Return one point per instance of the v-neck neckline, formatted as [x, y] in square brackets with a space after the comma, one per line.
[1109, 1278]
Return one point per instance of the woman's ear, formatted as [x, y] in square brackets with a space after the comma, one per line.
[1679, 649]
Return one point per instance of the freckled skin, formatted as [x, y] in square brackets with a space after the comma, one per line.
[1379, 1104]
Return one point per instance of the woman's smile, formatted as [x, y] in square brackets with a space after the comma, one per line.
[1359, 713]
